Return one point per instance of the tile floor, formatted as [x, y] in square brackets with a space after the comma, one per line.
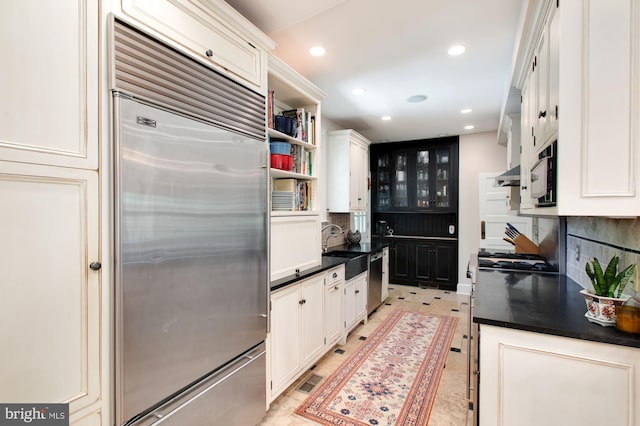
[451, 404]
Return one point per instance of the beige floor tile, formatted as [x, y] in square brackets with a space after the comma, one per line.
[451, 405]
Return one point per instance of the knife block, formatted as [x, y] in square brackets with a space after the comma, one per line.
[525, 245]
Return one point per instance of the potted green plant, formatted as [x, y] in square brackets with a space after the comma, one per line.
[608, 287]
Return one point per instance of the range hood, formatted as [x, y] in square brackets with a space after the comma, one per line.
[509, 178]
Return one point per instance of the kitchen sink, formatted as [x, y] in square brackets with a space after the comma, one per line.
[358, 262]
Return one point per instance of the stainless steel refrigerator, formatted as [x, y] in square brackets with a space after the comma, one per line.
[191, 265]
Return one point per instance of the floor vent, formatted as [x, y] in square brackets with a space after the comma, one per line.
[310, 383]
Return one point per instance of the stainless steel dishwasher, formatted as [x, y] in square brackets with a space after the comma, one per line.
[374, 298]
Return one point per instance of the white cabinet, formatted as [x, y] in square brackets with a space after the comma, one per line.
[334, 307]
[296, 338]
[588, 60]
[49, 109]
[355, 302]
[295, 245]
[564, 381]
[54, 307]
[385, 274]
[211, 32]
[348, 171]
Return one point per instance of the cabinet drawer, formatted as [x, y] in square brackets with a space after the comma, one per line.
[335, 275]
[202, 34]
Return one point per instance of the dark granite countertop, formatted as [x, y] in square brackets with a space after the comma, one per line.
[329, 262]
[542, 303]
[368, 248]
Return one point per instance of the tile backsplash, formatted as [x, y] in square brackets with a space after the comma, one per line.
[603, 238]
[340, 219]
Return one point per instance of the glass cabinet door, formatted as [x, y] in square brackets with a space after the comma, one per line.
[443, 174]
[383, 194]
[400, 193]
[422, 179]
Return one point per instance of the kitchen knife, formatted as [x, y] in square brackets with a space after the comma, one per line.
[509, 240]
[513, 228]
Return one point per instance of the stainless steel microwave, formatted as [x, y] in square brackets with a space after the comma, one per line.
[544, 177]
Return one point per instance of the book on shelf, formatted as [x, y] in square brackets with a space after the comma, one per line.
[287, 184]
[270, 108]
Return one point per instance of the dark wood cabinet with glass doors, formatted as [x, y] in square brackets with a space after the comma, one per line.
[415, 176]
[414, 190]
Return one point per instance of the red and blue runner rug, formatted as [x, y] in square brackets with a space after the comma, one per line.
[392, 379]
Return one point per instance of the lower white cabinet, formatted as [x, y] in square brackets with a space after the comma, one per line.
[334, 306]
[385, 274]
[355, 302]
[529, 378]
[296, 338]
[53, 301]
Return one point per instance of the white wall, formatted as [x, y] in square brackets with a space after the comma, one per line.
[479, 153]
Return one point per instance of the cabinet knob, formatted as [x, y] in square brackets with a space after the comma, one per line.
[335, 275]
[336, 288]
[302, 302]
[209, 53]
[542, 114]
[357, 291]
[95, 266]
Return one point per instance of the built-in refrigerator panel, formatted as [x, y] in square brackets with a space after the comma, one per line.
[191, 250]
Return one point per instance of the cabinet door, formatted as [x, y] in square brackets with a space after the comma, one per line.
[381, 172]
[554, 69]
[400, 181]
[436, 263]
[206, 37]
[349, 305]
[399, 260]
[360, 292]
[333, 312]
[285, 337]
[51, 304]
[311, 310]
[423, 180]
[385, 273]
[443, 192]
[358, 176]
[295, 244]
[49, 84]
[541, 73]
[526, 141]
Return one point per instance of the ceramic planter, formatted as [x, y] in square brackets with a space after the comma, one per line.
[602, 310]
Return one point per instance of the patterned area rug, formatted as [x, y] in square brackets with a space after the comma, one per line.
[393, 377]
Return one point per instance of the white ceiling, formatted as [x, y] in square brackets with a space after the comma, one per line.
[396, 49]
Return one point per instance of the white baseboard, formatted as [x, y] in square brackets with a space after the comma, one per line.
[464, 288]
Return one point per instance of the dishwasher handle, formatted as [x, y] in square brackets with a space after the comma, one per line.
[375, 257]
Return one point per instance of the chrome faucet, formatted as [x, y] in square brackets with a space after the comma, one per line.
[326, 241]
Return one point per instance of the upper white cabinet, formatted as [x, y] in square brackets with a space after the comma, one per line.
[295, 233]
[49, 84]
[211, 32]
[348, 171]
[578, 65]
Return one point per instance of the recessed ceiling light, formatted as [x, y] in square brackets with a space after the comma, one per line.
[416, 98]
[456, 50]
[466, 110]
[385, 118]
[443, 135]
[359, 91]
[469, 127]
[317, 51]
